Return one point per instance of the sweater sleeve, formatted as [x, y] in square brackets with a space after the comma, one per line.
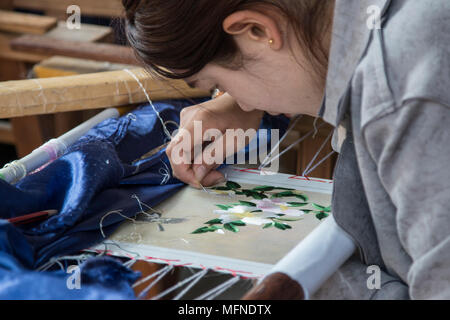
[411, 147]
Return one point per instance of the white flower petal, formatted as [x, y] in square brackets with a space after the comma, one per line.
[240, 209]
[221, 211]
[294, 213]
[276, 210]
[227, 218]
[256, 221]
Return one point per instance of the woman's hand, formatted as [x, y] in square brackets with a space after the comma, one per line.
[221, 113]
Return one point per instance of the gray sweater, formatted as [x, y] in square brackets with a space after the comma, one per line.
[388, 94]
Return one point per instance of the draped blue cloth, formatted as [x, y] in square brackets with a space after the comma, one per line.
[104, 171]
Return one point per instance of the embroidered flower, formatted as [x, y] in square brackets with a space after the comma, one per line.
[246, 214]
[268, 206]
[277, 206]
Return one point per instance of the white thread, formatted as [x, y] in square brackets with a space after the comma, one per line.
[165, 172]
[119, 212]
[163, 273]
[140, 203]
[149, 277]
[129, 263]
[130, 98]
[117, 88]
[22, 112]
[132, 116]
[317, 153]
[319, 163]
[138, 166]
[19, 171]
[60, 265]
[192, 284]
[42, 94]
[211, 294]
[114, 243]
[316, 129]
[291, 127]
[53, 261]
[290, 147]
[169, 136]
[173, 123]
[178, 285]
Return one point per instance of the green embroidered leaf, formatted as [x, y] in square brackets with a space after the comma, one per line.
[318, 207]
[327, 209]
[302, 196]
[280, 226]
[254, 194]
[256, 211]
[238, 192]
[233, 185]
[307, 210]
[286, 189]
[268, 225]
[222, 188]
[288, 218]
[259, 196]
[214, 221]
[263, 188]
[238, 223]
[322, 215]
[297, 204]
[247, 203]
[201, 230]
[224, 206]
[283, 194]
[287, 226]
[230, 227]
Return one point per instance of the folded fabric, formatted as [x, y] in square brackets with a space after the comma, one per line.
[104, 171]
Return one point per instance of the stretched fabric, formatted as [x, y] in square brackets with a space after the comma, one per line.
[104, 171]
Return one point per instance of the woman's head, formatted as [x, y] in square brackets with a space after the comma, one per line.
[268, 54]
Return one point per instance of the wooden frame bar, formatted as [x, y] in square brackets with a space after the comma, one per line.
[104, 8]
[42, 45]
[25, 22]
[89, 91]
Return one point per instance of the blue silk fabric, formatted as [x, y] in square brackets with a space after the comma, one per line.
[99, 174]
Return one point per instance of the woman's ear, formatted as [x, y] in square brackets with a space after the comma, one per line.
[256, 26]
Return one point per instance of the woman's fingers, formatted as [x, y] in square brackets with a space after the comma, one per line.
[181, 162]
[212, 178]
[185, 173]
[200, 145]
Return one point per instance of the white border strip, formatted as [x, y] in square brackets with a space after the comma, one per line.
[183, 258]
[255, 176]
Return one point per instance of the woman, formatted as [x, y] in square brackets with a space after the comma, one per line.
[377, 70]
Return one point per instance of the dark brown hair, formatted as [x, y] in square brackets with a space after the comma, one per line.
[186, 35]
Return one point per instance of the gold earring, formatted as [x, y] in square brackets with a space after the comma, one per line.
[271, 41]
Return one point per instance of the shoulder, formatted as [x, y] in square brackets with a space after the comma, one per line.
[407, 60]
[416, 46]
